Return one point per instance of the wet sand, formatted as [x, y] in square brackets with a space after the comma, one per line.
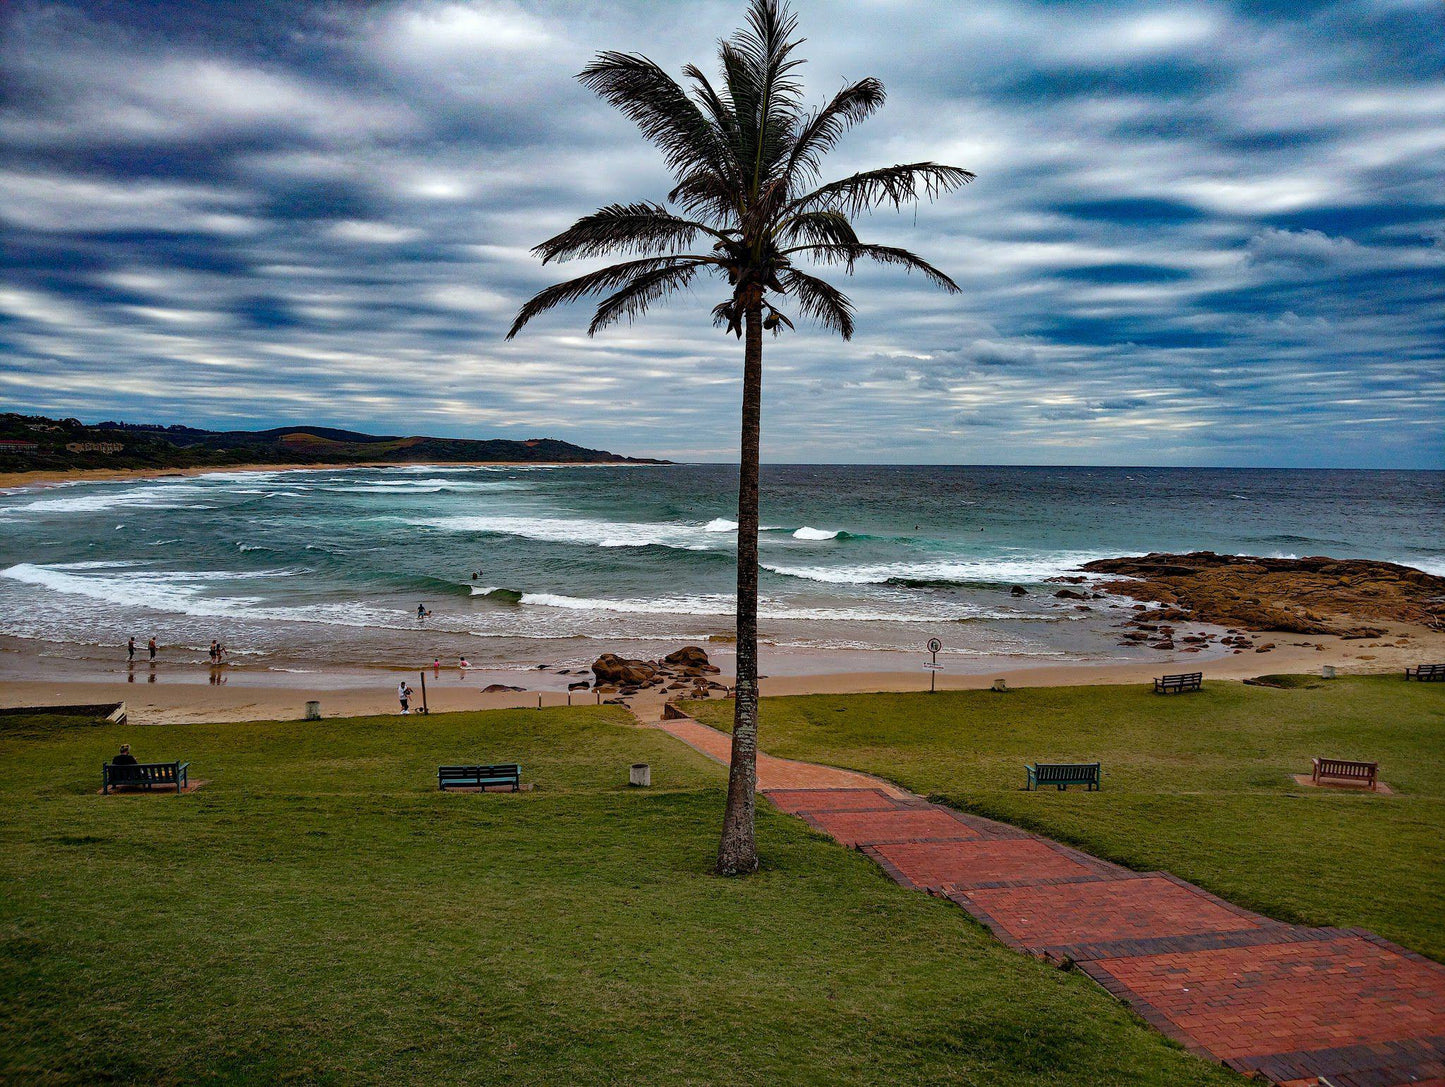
[185, 693]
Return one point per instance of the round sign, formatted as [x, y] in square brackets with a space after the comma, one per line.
[934, 645]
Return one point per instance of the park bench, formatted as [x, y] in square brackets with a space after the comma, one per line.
[1064, 774]
[1427, 673]
[144, 775]
[479, 777]
[1345, 770]
[1188, 681]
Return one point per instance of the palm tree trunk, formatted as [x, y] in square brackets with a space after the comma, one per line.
[737, 853]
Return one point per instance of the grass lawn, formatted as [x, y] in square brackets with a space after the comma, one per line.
[1195, 784]
[318, 913]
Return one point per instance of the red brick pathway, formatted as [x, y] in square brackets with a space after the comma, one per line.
[1296, 1006]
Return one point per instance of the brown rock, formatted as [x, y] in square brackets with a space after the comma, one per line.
[612, 669]
[689, 656]
[1071, 594]
[1314, 595]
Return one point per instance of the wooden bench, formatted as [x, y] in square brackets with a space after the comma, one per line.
[144, 775]
[479, 777]
[1188, 681]
[1344, 770]
[1427, 673]
[1064, 774]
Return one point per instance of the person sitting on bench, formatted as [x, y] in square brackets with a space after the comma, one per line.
[125, 758]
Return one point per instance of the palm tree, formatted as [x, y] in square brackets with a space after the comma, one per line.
[746, 157]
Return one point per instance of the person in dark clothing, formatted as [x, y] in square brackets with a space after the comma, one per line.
[125, 758]
[130, 650]
[152, 648]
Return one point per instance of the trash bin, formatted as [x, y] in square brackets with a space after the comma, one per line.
[313, 711]
[641, 775]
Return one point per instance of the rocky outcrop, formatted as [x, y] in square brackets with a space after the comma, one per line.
[614, 671]
[687, 668]
[1347, 597]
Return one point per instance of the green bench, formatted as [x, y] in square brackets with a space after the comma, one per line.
[144, 775]
[1185, 681]
[479, 777]
[1064, 774]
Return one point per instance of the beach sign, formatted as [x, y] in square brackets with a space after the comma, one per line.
[933, 667]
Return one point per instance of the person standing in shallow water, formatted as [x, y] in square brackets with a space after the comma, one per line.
[152, 647]
[130, 650]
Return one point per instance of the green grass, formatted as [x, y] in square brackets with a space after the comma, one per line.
[318, 913]
[1195, 784]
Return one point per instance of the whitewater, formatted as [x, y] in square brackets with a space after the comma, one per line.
[517, 566]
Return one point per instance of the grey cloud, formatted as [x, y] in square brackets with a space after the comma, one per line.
[1189, 222]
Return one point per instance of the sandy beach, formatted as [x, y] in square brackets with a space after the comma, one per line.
[181, 693]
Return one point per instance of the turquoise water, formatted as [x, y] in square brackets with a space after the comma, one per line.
[291, 569]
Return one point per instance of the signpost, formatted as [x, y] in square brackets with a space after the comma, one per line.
[934, 645]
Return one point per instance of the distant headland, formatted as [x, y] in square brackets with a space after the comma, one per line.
[38, 444]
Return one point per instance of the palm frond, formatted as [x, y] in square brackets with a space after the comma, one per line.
[623, 228]
[718, 108]
[659, 107]
[849, 255]
[632, 301]
[757, 68]
[902, 184]
[616, 275]
[818, 228]
[820, 301]
[703, 192]
[821, 132]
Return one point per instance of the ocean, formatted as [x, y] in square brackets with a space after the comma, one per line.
[517, 566]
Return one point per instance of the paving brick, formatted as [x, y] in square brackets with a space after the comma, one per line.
[1283, 998]
[1301, 1007]
[897, 825]
[945, 866]
[797, 801]
[1124, 909]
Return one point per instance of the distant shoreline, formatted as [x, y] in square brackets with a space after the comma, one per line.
[53, 477]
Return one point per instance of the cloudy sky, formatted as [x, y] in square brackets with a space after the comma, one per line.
[1202, 233]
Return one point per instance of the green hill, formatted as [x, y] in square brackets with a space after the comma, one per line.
[38, 443]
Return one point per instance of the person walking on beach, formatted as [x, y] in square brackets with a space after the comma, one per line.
[403, 695]
[130, 650]
[215, 653]
[152, 648]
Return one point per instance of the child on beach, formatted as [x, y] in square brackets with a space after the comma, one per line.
[463, 663]
[403, 695]
[152, 648]
[130, 650]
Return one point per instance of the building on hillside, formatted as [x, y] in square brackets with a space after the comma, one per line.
[14, 445]
[94, 447]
